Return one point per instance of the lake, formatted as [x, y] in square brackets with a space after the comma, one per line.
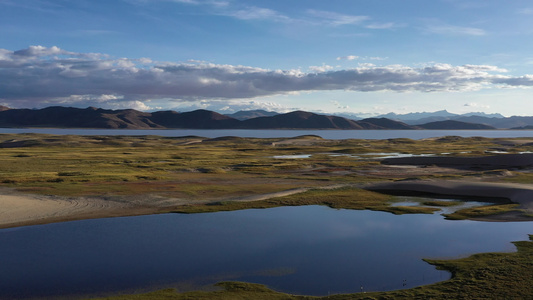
[311, 250]
[327, 134]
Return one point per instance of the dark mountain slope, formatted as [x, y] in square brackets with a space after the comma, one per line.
[57, 116]
[385, 123]
[198, 119]
[300, 120]
[454, 125]
[250, 114]
[510, 122]
[127, 118]
[68, 117]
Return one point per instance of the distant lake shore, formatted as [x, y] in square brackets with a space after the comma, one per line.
[260, 133]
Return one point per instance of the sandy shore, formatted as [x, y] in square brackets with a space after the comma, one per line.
[19, 209]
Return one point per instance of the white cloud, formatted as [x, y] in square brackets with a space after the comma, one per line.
[477, 105]
[185, 1]
[231, 106]
[455, 30]
[337, 105]
[348, 57]
[366, 65]
[354, 57]
[336, 19]
[39, 74]
[39, 51]
[228, 9]
[193, 2]
[101, 101]
[242, 11]
[137, 105]
[320, 69]
[521, 81]
[380, 25]
[257, 13]
[377, 58]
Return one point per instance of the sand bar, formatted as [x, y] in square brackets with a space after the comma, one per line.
[18, 209]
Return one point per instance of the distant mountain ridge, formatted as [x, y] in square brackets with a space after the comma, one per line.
[303, 120]
[453, 124]
[69, 117]
[91, 117]
[250, 114]
[441, 114]
[418, 115]
[495, 120]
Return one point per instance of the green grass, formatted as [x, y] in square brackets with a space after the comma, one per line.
[49, 161]
[345, 198]
[482, 211]
[37, 158]
[196, 168]
[526, 178]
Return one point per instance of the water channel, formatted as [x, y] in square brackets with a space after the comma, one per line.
[312, 250]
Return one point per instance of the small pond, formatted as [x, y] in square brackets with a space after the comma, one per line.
[311, 250]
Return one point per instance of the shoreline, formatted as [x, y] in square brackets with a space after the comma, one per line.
[19, 209]
[521, 194]
[23, 209]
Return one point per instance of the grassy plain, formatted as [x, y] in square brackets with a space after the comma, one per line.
[221, 174]
[200, 167]
[207, 174]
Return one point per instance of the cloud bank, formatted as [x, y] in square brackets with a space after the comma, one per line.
[53, 75]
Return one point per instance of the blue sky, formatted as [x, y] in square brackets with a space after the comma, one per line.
[351, 56]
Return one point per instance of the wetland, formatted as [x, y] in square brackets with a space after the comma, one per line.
[56, 178]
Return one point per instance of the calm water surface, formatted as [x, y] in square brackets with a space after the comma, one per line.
[327, 134]
[310, 250]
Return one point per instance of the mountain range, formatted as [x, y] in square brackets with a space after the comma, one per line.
[495, 120]
[91, 117]
[434, 119]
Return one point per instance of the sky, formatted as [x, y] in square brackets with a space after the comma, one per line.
[328, 56]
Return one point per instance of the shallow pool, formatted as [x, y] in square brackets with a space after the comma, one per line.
[311, 250]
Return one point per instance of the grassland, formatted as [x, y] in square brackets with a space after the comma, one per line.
[202, 171]
[197, 167]
[210, 174]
